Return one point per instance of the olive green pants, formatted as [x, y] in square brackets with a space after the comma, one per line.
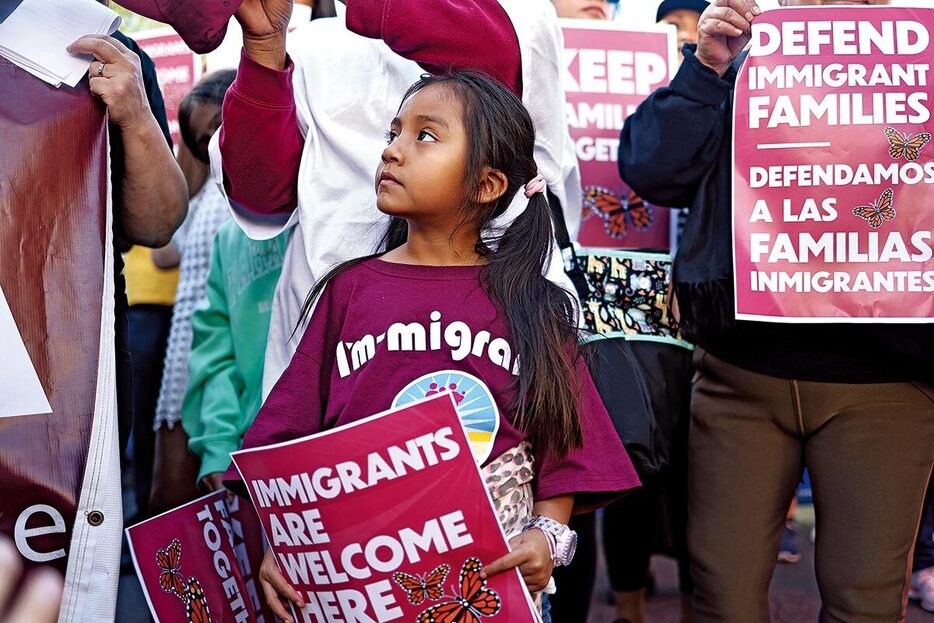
[869, 450]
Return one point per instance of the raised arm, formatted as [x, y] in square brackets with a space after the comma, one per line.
[444, 34]
[673, 138]
[260, 141]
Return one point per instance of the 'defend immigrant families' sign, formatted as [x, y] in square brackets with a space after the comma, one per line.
[608, 72]
[833, 170]
[387, 519]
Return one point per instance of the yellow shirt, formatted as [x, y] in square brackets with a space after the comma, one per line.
[146, 284]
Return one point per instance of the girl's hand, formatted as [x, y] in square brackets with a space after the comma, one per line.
[277, 589]
[724, 29]
[530, 552]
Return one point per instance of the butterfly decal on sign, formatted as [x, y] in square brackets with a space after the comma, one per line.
[171, 580]
[419, 588]
[905, 145]
[472, 602]
[196, 607]
[879, 211]
[618, 216]
[169, 559]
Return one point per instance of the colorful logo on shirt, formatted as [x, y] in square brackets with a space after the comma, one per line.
[475, 405]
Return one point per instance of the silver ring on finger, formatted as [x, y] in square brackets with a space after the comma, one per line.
[100, 69]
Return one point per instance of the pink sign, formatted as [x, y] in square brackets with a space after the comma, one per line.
[386, 519]
[833, 169]
[198, 562]
[177, 69]
[608, 73]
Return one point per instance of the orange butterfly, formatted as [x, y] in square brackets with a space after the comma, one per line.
[639, 212]
[616, 215]
[474, 602]
[196, 607]
[169, 559]
[878, 211]
[421, 588]
[905, 144]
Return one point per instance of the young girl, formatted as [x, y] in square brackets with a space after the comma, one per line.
[446, 310]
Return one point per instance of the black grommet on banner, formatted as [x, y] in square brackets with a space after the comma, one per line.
[95, 518]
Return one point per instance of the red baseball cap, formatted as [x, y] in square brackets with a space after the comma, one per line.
[201, 23]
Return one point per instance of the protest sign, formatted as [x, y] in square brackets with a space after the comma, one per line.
[59, 464]
[177, 70]
[386, 519]
[608, 72]
[194, 564]
[832, 167]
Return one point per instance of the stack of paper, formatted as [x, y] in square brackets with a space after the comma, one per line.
[35, 34]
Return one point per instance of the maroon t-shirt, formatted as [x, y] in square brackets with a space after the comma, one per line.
[386, 334]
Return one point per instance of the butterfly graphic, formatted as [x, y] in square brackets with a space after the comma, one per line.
[617, 216]
[905, 145]
[196, 607]
[421, 588]
[190, 594]
[474, 602]
[169, 558]
[878, 211]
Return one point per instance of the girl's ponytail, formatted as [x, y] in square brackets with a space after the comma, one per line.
[541, 317]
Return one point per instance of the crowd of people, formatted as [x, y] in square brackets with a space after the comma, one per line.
[234, 315]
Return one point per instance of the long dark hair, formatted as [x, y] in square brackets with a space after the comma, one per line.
[541, 316]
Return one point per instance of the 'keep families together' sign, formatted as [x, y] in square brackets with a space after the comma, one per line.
[199, 562]
[386, 519]
[833, 170]
[608, 72]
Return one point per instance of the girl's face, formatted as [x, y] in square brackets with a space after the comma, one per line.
[582, 9]
[422, 170]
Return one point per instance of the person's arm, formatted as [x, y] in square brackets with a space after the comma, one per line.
[444, 34]
[674, 137]
[260, 141]
[530, 551]
[152, 197]
[166, 257]
[261, 167]
[211, 413]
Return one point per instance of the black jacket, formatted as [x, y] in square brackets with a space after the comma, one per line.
[676, 150]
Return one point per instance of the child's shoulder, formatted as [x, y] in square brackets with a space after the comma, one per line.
[353, 281]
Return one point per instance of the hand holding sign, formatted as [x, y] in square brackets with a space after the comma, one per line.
[724, 29]
[530, 553]
[276, 589]
[116, 78]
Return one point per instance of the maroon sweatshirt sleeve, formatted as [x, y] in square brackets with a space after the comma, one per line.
[260, 141]
[444, 34]
[261, 145]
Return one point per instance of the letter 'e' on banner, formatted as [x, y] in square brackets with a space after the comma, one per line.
[386, 519]
[833, 167]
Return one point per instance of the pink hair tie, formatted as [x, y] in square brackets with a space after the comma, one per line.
[537, 185]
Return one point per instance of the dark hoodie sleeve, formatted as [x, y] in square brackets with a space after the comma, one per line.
[672, 140]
